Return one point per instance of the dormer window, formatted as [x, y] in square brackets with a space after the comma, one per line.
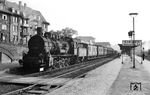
[4, 16]
[18, 12]
[13, 10]
[38, 17]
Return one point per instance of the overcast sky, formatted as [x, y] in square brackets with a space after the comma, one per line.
[106, 20]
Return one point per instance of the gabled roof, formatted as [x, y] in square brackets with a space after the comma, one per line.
[5, 11]
[28, 11]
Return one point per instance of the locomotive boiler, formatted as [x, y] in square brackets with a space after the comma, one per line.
[46, 50]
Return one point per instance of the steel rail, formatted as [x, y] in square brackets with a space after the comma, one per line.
[22, 90]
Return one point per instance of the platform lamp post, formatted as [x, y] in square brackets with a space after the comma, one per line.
[133, 16]
[130, 33]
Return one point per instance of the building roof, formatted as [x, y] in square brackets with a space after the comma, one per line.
[105, 44]
[27, 10]
[5, 11]
[85, 37]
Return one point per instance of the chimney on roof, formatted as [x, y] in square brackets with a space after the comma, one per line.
[25, 5]
[20, 4]
[3, 1]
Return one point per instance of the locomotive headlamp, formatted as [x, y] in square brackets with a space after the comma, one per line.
[41, 69]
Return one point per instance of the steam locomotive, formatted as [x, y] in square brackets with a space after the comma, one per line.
[56, 51]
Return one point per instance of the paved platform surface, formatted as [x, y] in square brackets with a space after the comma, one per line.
[132, 81]
[96, 82]
[113, 78]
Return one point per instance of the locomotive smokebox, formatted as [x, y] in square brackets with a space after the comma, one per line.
[39, 31]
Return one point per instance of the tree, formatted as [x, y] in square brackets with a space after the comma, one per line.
[69, 32]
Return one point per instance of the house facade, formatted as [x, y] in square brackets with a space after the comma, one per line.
[19, 22]
[5, 16]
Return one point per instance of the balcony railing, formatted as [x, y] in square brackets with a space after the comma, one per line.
[24, 33]
[25, 25]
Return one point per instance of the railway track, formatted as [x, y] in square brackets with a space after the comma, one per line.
[51, 71]
[73, 73]
[20, 71]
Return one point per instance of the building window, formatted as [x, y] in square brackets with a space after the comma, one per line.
[16, 19]
[38, 17]
[2, 37]
[44, 26]
[4, 16]
[13, 10]
[20, 21]
[4, 27]
[14, 28]
[18, 12]
[14, 39]
[13, 19]
[25, 22]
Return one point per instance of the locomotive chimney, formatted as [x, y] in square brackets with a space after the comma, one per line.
[39, 31]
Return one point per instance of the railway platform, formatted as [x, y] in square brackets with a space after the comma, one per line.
[132, 81]
[113, 78]
[95, 82]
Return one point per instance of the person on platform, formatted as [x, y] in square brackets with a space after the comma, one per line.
[143, 56]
